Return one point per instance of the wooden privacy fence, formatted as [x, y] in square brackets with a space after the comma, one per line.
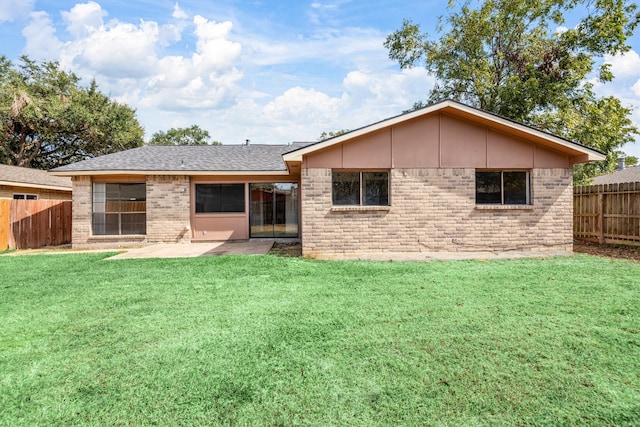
[608, 213]
[30, 224]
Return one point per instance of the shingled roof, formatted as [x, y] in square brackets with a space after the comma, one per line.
[201, 158]
[32, 178]
[628, 174]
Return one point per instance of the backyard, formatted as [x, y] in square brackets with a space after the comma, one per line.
[268, 340]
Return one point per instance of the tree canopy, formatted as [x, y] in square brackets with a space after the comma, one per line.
[515, 58]
[49, 119]
[193, 135]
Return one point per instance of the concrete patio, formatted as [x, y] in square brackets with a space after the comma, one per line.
[190, 250]
[165, 250]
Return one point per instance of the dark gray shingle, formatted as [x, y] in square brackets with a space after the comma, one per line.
[213, 158]
[629, 174]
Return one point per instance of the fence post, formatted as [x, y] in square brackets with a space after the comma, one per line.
[600, 218]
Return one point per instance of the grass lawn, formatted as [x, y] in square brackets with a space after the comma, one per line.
[263, 340]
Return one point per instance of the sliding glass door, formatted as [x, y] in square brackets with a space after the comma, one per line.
[274, 210]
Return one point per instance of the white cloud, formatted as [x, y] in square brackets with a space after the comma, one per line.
[392, 92]
[84, 19]
[214, 51]
[116, 50]
[636, 88]
[11, 10]
[298, 113]
[327, 46]
[208, 79]
[178, 13]
[232, 84]
[298, 105]
[624, 65]
[560, 30]
[190, 91]
[41, 40]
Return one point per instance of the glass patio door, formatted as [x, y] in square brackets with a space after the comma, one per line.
[274, 210]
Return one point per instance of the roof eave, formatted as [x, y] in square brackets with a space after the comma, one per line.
[169, 172]
[31, 185]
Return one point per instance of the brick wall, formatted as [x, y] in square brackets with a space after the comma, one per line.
[434, 210]
[81, 211]
[167, 214]
[168, 209]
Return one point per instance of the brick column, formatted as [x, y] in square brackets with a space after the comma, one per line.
[81, 211]
[168, 209]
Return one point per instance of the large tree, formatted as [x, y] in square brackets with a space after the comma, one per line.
[193, 135]
[514, 58]
[49, 119]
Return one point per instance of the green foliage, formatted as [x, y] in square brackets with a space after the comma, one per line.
[332, 134]
[262, 340]
[630, 161]
[193, 135]
[49, 120]
[506, 57]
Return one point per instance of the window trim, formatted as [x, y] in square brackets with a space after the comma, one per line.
[528, 195]
[360, 205]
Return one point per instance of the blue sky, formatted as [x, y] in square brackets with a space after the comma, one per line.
[268, 71]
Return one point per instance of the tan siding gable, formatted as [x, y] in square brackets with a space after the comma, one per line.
[437, 140]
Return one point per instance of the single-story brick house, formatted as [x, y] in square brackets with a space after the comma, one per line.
[445, 178]
[32, 184]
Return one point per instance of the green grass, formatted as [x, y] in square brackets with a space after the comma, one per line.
[262, 340]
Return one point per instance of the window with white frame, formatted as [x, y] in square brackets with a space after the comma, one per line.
[360, 188]
[503, 187]
[19, 196]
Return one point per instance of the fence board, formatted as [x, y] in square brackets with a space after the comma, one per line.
[5, 206]
[37, 223]
[607, 213]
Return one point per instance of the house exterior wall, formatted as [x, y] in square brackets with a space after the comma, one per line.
[432, 163]
[167, 212]
[228, 226]
[170, 216]
[168, 208]
[7, 192]
[433, 210]
[435, 141]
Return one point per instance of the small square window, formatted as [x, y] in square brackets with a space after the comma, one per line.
[503, 188]
[367, 188]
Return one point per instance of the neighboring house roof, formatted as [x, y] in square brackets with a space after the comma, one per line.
[32, 178]
[580, 153]
[201, 159]
[628, 174]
